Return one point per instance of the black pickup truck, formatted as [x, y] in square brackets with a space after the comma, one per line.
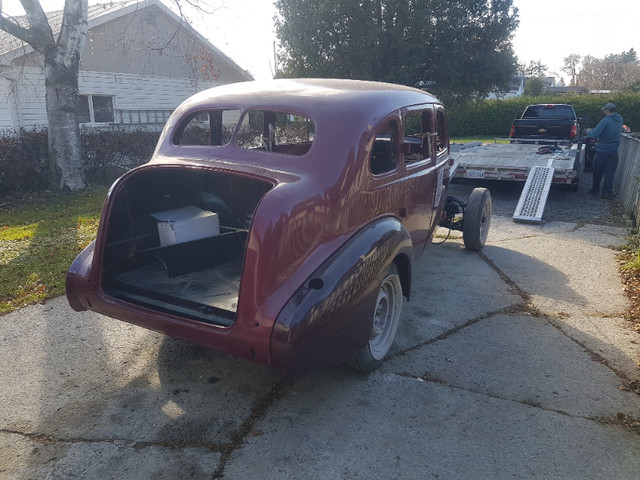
[546, 123]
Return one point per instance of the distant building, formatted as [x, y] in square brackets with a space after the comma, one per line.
[547, 83]
[515, 89]
[140, 61]
[564, 90]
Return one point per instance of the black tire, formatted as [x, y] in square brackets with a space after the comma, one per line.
[384, 323]
[477, 219]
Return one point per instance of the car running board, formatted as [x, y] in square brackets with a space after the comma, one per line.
[534, 195]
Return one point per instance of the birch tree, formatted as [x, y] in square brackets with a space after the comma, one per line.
[61, 59]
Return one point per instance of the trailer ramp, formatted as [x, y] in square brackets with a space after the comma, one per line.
[534, 194]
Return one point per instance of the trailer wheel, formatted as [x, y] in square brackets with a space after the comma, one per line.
[386, 318]
[477, 219]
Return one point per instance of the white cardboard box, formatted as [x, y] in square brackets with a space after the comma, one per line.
[186, 224]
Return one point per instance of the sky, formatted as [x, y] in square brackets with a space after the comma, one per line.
[549, 29]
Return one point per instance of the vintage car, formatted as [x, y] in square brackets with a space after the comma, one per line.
[279, 221]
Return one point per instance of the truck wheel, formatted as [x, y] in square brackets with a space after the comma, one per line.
[477, 219]
[386, 318]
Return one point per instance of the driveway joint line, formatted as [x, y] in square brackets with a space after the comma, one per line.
[258, 411]
[50, 439]
[621, 419]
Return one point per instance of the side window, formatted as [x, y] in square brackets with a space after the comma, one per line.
[279, 132]
[418, 132]
[383, 151]
[208, 127]
[442, 133]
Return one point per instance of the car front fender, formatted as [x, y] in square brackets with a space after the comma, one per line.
[330, 316]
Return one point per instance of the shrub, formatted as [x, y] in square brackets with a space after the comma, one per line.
[494, 117]
[24, 161]
[106, 154]
[109, 152]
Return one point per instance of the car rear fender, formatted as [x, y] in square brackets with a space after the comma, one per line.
[78, 288]
[330, 316]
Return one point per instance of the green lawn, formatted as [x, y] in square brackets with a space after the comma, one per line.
[40, 235]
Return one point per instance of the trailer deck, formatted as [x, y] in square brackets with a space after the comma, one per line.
[537, 165]
[511, 161]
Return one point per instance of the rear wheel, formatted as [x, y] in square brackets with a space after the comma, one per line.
[385, 323]
[477, 219]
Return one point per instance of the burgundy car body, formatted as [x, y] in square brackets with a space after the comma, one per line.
[321, 222]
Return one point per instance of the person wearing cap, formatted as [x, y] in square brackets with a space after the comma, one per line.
[605, 160]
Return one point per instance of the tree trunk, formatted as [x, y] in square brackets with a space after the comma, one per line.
[61, 67]
[65, 160]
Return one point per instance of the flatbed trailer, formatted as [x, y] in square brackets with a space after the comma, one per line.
[539, 166]
[513, 161]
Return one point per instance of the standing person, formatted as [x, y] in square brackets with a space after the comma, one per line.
[606, 158]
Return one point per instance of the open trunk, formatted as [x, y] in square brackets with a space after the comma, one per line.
[176, 241]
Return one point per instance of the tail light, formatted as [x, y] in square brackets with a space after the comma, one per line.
[574, 131]
[513, 130]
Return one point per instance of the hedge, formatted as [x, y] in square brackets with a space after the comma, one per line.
[106, 153]
[493, 118]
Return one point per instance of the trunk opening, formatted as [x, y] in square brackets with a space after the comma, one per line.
[176, 241]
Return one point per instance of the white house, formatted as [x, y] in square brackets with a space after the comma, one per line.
[516, 89]
[140, 61]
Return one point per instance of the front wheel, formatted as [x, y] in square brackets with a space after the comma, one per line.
[386, 318]
[477, 219]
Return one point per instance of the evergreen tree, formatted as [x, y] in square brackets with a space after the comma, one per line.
[458, 49]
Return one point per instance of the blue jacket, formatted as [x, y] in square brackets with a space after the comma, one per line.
[608, 133]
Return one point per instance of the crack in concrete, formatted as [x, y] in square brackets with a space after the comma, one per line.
[621, 419]
[532, 310]
[510, 310]
[258, 411]
[138, 445]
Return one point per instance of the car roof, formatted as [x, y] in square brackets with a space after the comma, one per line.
[343, 111]
[312, 95]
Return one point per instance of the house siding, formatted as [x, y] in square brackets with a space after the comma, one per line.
[150, 43]
[146, 60]
[129, 92]
[6, 104]
[26, 95]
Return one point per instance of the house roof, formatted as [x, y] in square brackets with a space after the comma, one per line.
[12, 47]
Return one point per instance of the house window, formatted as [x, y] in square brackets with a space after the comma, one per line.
[95, 109]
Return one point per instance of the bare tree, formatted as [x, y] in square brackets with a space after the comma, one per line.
[617, 72]
[61, 59]
[571, 64]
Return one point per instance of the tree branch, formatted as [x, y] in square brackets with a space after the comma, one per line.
[73, 30]
[39, 34]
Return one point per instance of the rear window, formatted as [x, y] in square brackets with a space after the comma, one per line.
[549, 111]
[279, 132]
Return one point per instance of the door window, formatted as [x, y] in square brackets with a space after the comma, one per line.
[418, 132]
[442, 135]
[383, 151]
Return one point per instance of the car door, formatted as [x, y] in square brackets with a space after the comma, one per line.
[419, 155]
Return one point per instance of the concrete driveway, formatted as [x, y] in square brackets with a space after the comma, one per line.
[511, 363]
